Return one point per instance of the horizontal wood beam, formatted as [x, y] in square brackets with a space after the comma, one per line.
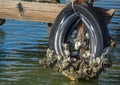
[30, 11]
[40, 12]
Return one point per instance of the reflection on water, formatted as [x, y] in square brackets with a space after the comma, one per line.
[112, 75]
[22, 44]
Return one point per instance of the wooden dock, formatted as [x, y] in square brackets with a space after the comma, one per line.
[40, 12]
[30, 11]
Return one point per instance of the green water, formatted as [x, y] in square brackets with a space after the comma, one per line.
[23, 44]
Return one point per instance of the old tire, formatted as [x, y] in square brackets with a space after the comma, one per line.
[69, 19]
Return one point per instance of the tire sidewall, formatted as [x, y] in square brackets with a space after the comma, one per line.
[85, 10]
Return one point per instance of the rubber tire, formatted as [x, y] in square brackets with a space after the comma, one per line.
[89, 12]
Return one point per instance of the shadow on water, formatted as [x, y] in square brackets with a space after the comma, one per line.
[2, 40]
[23, 43]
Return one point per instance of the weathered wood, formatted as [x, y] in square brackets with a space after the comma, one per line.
[106, 13]
[32, 11]
[41, 12]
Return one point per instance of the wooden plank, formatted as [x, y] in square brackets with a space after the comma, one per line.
[106, 13]
[32, 11]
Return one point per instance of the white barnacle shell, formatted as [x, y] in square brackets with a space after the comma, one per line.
[49, 53]
[48, 50]
[59, 57]
[87, 35]
[66, 59]
[76, 46]
[87, 53]
[65, 46]
[67, 52]
[84, 55]
[98, 60]
[79, 43]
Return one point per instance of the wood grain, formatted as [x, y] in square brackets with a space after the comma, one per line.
[40, 12]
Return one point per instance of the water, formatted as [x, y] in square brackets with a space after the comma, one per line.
[23, 44]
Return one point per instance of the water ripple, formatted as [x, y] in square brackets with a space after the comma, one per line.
[23, 43]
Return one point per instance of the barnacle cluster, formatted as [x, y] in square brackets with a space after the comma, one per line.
[81, 67]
